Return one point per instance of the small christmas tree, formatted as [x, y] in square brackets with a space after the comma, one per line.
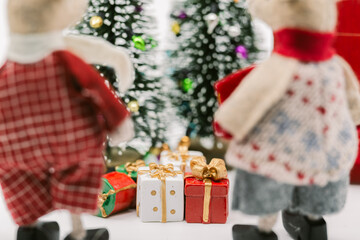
[215, 38]
[127, 24]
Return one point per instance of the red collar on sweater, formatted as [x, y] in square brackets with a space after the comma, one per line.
[304, 45]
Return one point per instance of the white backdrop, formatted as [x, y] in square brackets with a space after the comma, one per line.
[161, 10]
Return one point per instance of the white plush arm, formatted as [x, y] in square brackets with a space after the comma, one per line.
[98, 51]
[255, 96]
[124, 133]
[352, 90]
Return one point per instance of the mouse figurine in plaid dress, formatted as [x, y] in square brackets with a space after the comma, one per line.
[55, 114]
[292, 121]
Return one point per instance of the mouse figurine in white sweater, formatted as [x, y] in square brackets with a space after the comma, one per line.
[55, 113]
[293, 124]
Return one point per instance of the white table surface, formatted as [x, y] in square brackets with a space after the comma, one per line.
[342, 226]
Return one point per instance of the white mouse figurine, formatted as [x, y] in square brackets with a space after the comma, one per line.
[55, 113]
[293, 120]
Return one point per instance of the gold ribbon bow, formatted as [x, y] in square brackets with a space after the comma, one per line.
[216, 171]
[182, 152]
[133, 167]
[184, 144]
[103, 197]
[161, 172]
[176, 156]
[164, 147]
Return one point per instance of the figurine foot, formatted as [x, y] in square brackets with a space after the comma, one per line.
[42, 231]
[248, 232]
[300, 227]
[94, 234]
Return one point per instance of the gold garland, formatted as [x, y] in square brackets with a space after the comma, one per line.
[161, 172]
[103, 197]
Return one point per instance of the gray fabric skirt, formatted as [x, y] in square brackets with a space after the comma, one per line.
[258, 195]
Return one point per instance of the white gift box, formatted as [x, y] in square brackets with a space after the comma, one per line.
[175, 158]
[149, 200]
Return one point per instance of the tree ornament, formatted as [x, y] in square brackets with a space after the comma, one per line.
[176, 28]
[187, 84]
[96, 22]
[242, 51]
[182, 15]
[212, 20]
[139, 42]
[139, 8]
[234, 31]
[133, 106]
[155, 151]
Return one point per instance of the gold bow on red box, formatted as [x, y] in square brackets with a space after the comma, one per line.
[215, 171]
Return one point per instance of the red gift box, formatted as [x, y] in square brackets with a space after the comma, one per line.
[195, 194]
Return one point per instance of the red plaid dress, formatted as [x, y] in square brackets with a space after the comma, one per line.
[54, 115]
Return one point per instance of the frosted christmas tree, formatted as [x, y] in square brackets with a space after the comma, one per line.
[215, 38]
[127, 24]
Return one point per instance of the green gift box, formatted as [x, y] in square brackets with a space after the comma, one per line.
[131, 169]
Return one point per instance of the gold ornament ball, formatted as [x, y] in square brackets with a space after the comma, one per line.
[96, 22]
[155, 151]
[176, 28]
[133, 106]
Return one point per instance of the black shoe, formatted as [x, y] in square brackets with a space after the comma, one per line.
[26, 233]
[249, 232]
[94, 234]
[300, 227]
[42, 231]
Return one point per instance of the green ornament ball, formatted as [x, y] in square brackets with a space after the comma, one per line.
[187, 84]
[139, 42]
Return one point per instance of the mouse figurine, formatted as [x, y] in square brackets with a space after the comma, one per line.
[292, 124]
[55, 113]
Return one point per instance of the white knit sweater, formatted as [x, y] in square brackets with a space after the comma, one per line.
[307, 137]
